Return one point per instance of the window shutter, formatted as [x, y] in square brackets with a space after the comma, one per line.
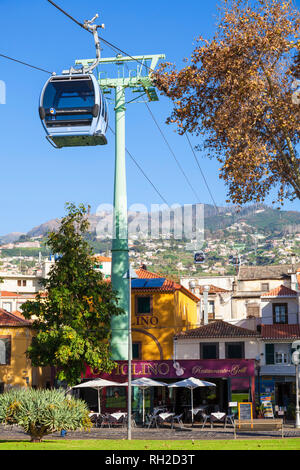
[270, 354]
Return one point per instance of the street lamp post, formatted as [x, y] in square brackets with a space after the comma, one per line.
[296, 361]
[258, 379]
[130, 274]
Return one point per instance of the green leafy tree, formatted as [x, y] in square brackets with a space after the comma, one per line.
[71, 318]
[42, 412]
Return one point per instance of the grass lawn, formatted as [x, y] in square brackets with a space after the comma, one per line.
[238, 444]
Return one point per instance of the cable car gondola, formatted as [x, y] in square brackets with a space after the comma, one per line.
[72, 107]
[73, 110]
[199, 257]
[235, 260]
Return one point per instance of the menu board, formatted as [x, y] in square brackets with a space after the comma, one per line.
[245, 411]
[268, 409]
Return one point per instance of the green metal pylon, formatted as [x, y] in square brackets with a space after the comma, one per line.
[140, 83]
[120, 252]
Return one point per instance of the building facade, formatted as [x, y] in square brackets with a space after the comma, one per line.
[15, 367]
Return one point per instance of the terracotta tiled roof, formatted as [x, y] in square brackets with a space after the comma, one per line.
[168, 285]
[212, 289]
[145, 274]
[248, 273]
[280, 291]
[218, 329]
[10, 319]
[22, 295]
[280, 331]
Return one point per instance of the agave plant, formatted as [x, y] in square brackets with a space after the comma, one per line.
[42, 412]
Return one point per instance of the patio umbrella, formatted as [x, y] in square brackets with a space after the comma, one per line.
[98, 384]
[192, 383]
[143, 383]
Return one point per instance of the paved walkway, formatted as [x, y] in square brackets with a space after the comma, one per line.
[195, 433]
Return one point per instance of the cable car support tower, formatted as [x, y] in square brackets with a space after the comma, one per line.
[140, 82]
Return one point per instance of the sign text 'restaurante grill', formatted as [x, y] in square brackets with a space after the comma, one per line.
[181, 369]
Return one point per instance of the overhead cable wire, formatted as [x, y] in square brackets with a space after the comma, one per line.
[67, 14]
[115, 48]
[25, 63]
[172, 153]
[203, 176]
[142, 171]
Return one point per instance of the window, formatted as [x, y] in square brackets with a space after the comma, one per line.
[253, 310]
[278, 353]
[234, 350]
[209, 350]
[137, 351]
[211, 309]
[24, 283]
[281, 357]
[280, 313]
[265, 287]
[5, 350]
[143, 305]
[19, 282]
[269, 349]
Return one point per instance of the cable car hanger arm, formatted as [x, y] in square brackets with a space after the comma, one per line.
[93, 28]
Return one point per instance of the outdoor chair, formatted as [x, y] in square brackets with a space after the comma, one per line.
[94, 419]
[105, 421]
[178, 419]
[133, 421]
[229, 419]
[152, 420]
[204, 418]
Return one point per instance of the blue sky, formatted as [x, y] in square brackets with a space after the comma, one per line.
[37, 180]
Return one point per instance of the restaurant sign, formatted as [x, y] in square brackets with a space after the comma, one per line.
[230, 368]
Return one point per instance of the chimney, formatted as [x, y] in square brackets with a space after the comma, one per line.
[205, 300]
[143, 266]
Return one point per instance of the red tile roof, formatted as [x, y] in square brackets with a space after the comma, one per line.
[145, 274]
[168, 285]
[102, 259]
[280, 331]
[218, 329]
[23, 295]
[281, 291]
[12, 319]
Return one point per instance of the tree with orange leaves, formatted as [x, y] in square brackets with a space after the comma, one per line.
[236, 92]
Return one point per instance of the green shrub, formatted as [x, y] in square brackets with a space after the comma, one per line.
[42, 412]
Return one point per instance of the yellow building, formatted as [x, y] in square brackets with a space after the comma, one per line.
[160, 309]
[15, 368]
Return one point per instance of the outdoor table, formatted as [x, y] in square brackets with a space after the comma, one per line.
[118, 415]
[200, 408]
[165, 416]
[217, 417]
